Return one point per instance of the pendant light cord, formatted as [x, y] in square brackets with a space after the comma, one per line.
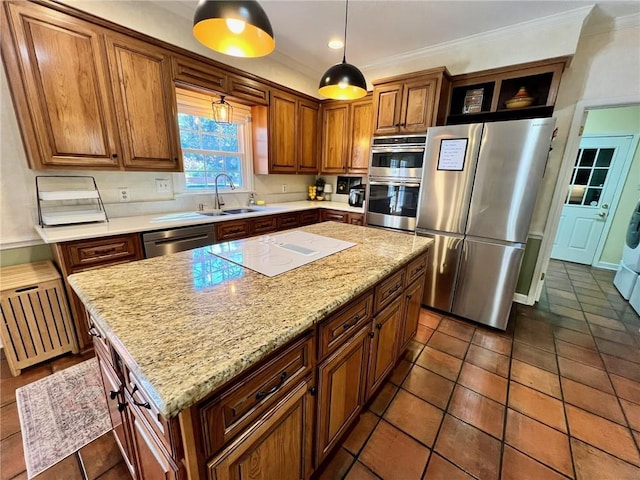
[344, 50]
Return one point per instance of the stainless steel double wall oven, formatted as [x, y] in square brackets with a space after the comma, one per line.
[395, 173]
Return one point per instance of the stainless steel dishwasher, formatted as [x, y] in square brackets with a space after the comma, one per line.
[177, 239]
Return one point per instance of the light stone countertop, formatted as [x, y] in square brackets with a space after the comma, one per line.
[163, 221]
[191, 321]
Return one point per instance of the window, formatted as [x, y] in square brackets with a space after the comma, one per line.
[210, 148]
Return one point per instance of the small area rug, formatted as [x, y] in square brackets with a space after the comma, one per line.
[60, 414]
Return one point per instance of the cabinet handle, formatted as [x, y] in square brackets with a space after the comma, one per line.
[409, 297]
[114, 155]
[113, 395]
[391, 292]
[261, 395]
[93, 332]
[379, 326]
[347, 325]
[121, 406]
[138, 404]
[372, 334]
[313, 391]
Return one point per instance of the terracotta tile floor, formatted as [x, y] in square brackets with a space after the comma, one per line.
[556, 396]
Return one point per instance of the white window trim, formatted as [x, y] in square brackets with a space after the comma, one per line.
[202, 107]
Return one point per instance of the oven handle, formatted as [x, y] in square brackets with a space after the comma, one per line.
[394, 184]
[397, 150]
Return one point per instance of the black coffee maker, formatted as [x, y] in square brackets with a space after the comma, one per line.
[356, 196]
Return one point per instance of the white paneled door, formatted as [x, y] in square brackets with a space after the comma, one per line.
[591, 192]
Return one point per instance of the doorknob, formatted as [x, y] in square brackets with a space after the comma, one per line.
[605, 206]
[602, 214]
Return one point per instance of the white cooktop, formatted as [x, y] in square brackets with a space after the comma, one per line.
[272, 255]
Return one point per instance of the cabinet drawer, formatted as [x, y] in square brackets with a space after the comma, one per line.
[140, 401]
[388, 290]
[103, 251]
[232, 230]
[337, 329]
[310, 217]
[415, 269]
[334, 216]
[264, 225]
[242, 403]
[288, 220]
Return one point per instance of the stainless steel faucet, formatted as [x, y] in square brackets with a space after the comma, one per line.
[217, 201]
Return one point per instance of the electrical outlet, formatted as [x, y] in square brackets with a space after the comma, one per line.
[162, 185]
[284, 188]
[123, 194]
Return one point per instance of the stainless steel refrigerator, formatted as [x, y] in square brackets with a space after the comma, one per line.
[479, 187]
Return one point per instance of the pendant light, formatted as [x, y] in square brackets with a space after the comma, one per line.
[343, 81]
[222, 111]
[237, 28]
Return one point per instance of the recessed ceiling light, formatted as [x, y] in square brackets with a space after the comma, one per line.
[336, 44]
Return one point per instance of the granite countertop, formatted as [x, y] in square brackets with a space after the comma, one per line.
[191, 321]
[162, 221]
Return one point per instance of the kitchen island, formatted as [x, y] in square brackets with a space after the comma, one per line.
[203, 359]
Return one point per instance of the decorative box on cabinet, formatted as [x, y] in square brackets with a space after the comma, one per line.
[346, 153]
[410, 103]
[36, 324]
[540, 79]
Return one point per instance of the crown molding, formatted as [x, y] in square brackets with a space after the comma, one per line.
[561, 20]
[609, 25]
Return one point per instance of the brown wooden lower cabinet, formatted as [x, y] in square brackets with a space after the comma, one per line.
[278, 446]
[271, 422]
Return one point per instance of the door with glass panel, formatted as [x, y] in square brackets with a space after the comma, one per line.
[592, 188]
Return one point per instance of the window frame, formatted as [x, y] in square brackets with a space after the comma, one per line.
[199, 104]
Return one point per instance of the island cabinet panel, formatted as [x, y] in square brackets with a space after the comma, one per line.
[384, 344]
[337, 329]
[389, 289]
[341, 391]
[246, 401]
[278, 446]
[145, 103]
[412, 305]
[58, 75]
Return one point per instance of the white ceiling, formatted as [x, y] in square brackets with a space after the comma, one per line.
[378, 31]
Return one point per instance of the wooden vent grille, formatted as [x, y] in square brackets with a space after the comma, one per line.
[36, 324]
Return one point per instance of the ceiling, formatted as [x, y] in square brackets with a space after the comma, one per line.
[379, 31]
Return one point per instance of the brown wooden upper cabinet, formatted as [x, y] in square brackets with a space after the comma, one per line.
[74, 95]
[292, 126]
[411, 103]
[346, 153]
[481, 96]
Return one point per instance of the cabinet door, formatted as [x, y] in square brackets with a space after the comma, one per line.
[151, 461]
[356, 219]
[341, 388]
[387, 100]
[232, 230]
[145, 101]
[117, 410]
[418, 102]
[278, 446]
[282, 133]
[60, 71]
[383, 344]
[360, 137]
[335, 126]
[308, 137]
[411, 314]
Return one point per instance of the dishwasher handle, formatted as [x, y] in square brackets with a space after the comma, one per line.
[177, 240]
[189, 238]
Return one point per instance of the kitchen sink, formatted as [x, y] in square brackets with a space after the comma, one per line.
[211, 213]
[238, 210]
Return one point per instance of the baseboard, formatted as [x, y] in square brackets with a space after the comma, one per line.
[607, 265]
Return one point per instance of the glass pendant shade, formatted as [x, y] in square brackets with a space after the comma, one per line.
[222, 111]
[237, 28]
[343, 81]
